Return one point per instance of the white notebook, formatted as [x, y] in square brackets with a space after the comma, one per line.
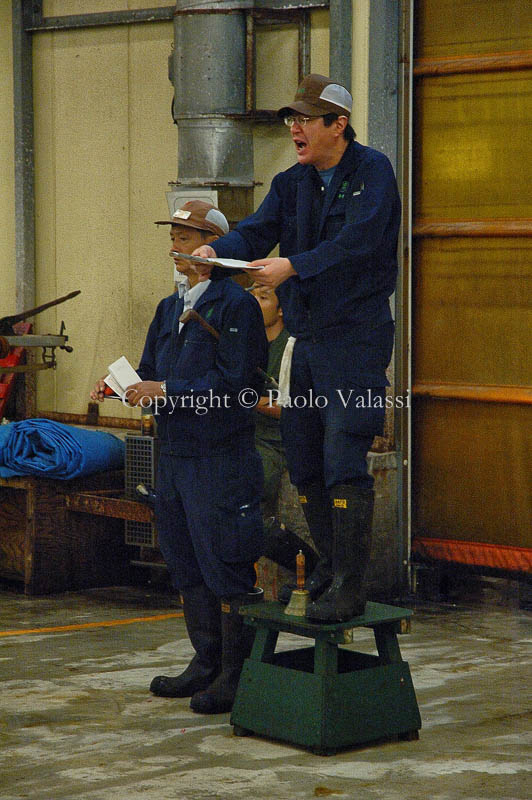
[121, 375]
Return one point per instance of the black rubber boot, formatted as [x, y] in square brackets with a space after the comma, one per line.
[282, 546]
[237, 641]
[202, 616]
[316, 505]
[352, 520]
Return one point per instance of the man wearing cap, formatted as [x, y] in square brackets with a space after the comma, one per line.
[209, 479]
[335, 215]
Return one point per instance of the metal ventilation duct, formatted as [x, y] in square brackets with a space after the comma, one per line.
[208, 70]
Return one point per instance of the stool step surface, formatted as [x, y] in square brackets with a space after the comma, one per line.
[272, 615]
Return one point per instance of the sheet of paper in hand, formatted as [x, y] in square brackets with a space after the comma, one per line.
[226, 263]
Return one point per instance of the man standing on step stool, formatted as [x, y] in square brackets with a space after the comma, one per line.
[335, 215]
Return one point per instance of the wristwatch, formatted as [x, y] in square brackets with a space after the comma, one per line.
[163, 387]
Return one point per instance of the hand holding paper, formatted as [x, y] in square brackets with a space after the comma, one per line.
[271, 271]
[121, 375]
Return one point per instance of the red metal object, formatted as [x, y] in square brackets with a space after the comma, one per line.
[475, 554]
[7, 379]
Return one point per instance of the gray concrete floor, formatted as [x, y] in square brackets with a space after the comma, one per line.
[77, 720]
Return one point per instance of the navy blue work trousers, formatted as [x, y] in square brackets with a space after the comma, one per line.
[209, 520]
[332, 420]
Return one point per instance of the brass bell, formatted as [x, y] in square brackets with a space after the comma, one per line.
[300, 598]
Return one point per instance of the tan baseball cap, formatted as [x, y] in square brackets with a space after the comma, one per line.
[318, 95]
[200, 215]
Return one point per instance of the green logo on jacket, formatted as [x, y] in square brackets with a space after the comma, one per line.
[343, 190]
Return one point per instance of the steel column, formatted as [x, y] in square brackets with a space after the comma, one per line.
[386, 39]
[24, 166]
[403, 296]
[304, 47]
[383, 76]
[340, 48]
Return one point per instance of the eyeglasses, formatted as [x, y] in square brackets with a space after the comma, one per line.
[292, 120]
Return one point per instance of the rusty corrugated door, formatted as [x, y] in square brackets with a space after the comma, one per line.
[472, 282]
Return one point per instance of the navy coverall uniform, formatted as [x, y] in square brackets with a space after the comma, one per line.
[342, 243]
[209, 480]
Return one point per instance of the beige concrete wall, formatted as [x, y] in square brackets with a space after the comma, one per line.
[7, 201]
[277, 67]
[105, 148]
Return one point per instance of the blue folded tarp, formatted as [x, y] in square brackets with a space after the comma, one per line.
[5, 431]
[53, 450]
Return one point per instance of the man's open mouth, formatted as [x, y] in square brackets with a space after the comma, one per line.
[300, 144]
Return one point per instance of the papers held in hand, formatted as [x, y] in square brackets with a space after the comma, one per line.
[226, 263]
[121, 375]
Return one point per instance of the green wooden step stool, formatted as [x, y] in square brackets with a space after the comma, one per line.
[325, 697]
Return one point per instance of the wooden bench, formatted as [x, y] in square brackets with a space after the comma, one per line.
[49, 549]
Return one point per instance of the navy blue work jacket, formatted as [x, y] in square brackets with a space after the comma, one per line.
[341, 241]
[204, 373]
